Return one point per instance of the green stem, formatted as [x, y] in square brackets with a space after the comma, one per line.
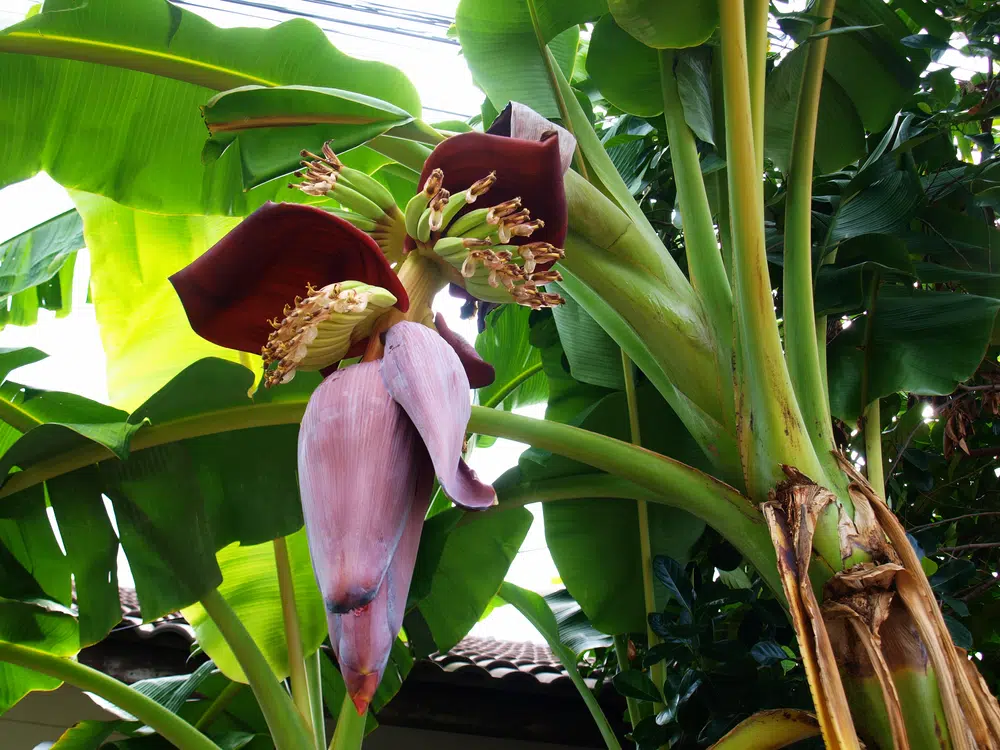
[801, 345]
[869, 334]
[614, 487]
[511, 385]
[820, 333]
[550, 69]
[756, 19]
[536, 610]
[873, 447]
[293, 633]
[410, 154]
[718, 504]
[568, 488]
[658, 670]
[221, 702]
[621, 651]
[610, 486]
[186, 69]
[705, 266]
[350, 730]
[721, 506]
[419, 131]
[717, 442]
[601, 171]
[872, 416]
[168, 724]
[772, 429]
[317, 716]
[284, 722]
[684, 346]
[725, 233]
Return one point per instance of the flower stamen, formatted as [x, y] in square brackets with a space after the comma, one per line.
[364, 202]
[318, 331]
[437, 204]
[479, 187]
[521, 227]
[433, 183]
[497, 212]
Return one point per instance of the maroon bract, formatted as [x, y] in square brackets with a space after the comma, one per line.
[372, 438]
[526, 169]
[479, 371]
[250, 275]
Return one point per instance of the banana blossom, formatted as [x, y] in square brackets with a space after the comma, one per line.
[374, 434]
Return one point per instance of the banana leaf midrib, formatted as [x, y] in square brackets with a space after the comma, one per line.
[180, 68]
[207, 423]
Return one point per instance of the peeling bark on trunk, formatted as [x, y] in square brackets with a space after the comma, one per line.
[879, 659]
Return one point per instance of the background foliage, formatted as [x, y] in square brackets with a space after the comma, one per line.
[904, 222]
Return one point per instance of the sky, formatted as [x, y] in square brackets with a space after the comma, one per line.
[76, 359]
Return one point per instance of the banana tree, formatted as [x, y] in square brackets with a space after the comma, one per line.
[819, 162]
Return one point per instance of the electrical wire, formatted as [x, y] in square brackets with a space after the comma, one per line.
[430, 19]
[390, 11]
[327, 19]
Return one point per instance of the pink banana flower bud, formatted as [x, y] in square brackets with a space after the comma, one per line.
[374, 435]
[372, 439]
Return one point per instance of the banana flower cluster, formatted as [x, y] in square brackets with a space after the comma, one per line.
[307, 287]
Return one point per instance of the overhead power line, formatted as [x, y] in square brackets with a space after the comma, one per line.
[413, 33]
[390, 11]
[272, 13]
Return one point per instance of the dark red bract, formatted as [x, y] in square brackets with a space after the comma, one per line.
[478, 370]
[248, 276]
[529, 169]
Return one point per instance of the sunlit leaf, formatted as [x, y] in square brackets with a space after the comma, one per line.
[132, 77]
[626, 71]
[920, 342]
[146, 335]
[35, 256]
[840, 136]
[272, 124]
[501, 46]
[39, 628]
[666, 24]
[504, 344]
[594, 542]
[91, 550]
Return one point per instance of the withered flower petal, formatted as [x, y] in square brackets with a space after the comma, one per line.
[425, 377]
[246, 279]
[521, 121]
